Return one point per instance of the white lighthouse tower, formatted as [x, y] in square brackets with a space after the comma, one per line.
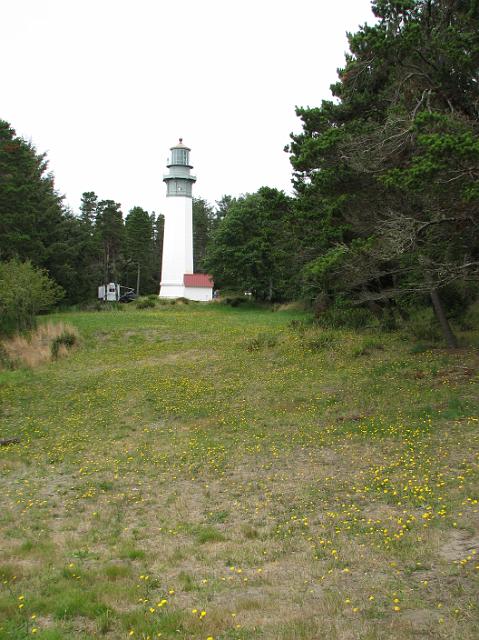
[177, 277]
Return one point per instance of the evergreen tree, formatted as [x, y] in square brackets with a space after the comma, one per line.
[203, 220]
[88, 208]
[31, 211]
[252, 246]
[34, 225]
[139, 250]
[387, 176]
[158, 233]
[110, 229]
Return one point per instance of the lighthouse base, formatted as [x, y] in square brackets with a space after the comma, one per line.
[198, 294]
[172, 291]
[195, 286]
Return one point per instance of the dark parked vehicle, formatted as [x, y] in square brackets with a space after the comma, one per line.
[129, 296]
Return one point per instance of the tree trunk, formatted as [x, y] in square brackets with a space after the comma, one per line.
[138, 281]
[449, 336]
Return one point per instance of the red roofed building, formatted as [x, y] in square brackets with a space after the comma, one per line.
[197, 280]
[198, 286]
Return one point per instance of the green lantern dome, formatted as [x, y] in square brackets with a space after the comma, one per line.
[179, 181]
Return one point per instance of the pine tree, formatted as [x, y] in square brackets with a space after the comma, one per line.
[111, 231]
[387, 176]
[139, 249]
[31, 211]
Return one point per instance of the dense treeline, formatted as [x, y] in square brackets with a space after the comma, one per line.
[385, 212]
[386, 176]
[78, 251]
[388, 173]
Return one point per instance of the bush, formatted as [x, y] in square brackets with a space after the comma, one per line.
[235, 301]
[145, 303]
[318, 341]
[100, 305]
[24, 292]
[470, 320]
[421, 347]
[424, 326]
[66, 339]
[336, 317]
[300, 326]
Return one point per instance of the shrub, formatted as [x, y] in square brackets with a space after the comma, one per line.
[420, 347]
[318, 341]
[261, 341]
[300, 326]
[337, 317]
[145, 303]
[235, 301]
[24, 292]
[424, 326]
[470, 320]
[67, 339]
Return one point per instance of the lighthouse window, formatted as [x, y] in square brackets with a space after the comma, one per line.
[179, 156]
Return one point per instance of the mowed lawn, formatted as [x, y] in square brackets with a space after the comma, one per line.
[199, 472]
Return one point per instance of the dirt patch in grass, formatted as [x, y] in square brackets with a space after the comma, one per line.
[460, 545]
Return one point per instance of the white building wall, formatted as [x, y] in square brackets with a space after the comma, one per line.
[177, 246]
[200, 294]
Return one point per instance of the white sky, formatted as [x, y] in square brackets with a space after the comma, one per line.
[105, 87]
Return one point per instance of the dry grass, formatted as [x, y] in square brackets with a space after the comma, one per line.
[35, 349]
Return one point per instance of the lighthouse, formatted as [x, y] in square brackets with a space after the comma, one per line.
[177, 277]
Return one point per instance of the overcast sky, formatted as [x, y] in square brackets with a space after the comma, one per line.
[105, 87]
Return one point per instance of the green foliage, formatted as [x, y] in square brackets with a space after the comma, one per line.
[261, 341]
[111, 232]
[67, 339]
[252, 248]
[319, 340]
[204, 222]
[235, 300]
[141, 270]
[34, 225]
[30, 209]
[74, 602]
[340, 316]
[424, 326]
[24, 291]
[386, 176]
[207, 533]
[145, 303]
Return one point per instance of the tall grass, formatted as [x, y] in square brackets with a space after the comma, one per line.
[47, 342]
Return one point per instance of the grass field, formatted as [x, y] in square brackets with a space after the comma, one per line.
[205, 472]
